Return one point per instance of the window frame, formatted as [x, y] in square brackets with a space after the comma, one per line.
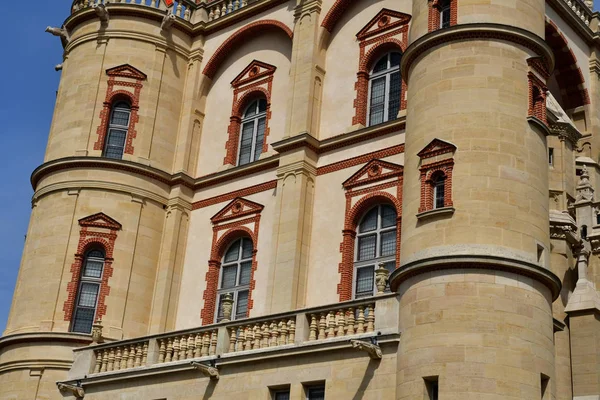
[378, 232]
[445, 6]
[234, 291]
[117, 106]
[88, 280]
[387, 73]
[309, 389]
[255, 119]
[438, 180]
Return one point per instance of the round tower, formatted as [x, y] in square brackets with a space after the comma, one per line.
[476, 291]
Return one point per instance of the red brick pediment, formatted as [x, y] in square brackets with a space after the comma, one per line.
[126, 71]
[100, 220]
[254, 71]
[237, 208]
[436, 148]
[384, 20]
[373, 171]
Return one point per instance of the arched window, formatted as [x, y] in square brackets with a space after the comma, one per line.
[236, 270]
[252, 135]
[438, 182]
[375, 244]
[445, 7]
[87, 295]
[117, 130]
[385, 89]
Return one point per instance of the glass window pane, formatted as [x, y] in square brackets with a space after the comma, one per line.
[246, 270]
[120, 118]
[88, 293]
[93, 268]
[241, 309]
[247, 249]
[381, 65]
[366, 247]
[316, 393]
[377, 105]
[445, 14]
[96, 254]
[388, 243]
[395, 95]
[251, 110]
[439, 193]
[220, 307]
[395, 59]
[365, 278]
[233, 253]
[388, 216]
[369, 221]
[262, 105]
[260, 138]
[229, 276]
[246, 143]
[84, 319]
[282, 395]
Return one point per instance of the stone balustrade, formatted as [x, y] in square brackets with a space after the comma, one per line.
[582, 11]
[220, 8]
[118, 358]
[180, 8]
[187, 346]
[260, 335]
[342, 322]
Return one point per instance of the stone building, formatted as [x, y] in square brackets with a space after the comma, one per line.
[309, 199]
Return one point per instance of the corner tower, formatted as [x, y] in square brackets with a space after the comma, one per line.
[476, 289]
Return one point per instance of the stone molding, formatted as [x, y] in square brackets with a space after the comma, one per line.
[563, 227]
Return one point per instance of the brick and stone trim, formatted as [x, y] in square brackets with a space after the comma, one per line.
[240, 218]
[97, 231]
[435, 14]
[128, 80]
[437, 158]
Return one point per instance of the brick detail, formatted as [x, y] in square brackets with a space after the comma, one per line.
[434, 14]
[263, 187]
[369, 197]
[239, 37]
[567, 71]
[537, 98]
[358, 160]
[335, 14]
[390, 34]
[224, 233]
[131, 95]
[98, 230]
[256, 80]
[430, 167]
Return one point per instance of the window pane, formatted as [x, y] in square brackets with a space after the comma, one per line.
[241, 308]
[251, 110]
[395, 94]
[262, 105]
[364, 281]
[246, 142]
[93, 268]
[120, 118]
[388, 216]
[220, 307]
[388, 243]
[439, 193]
[229, 276]
[445, 14]
[377, 101]
[245, 273]
[381, 65]
[96, 254]
[395, 59]
[84, 319]
[282, 395]
[246, 249]
[369, 221]
[260, 138]
[115, 142]
[233, 252]
[88, 294]
[366, 247]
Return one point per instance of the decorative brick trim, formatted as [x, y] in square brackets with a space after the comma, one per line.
[387, 31]
[223, 235]
[335, 14]
[567, 71]
[358, 160]
[537, 98]
[434, 14]
[112, 96]
[444, 167]
[263, 187]
[374, 171]
[436, 147]
[239, 37]
[104, 239]
[254, 81]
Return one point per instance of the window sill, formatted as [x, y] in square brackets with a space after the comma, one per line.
[444, 211]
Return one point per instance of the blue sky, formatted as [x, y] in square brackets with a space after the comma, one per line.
[29, 85]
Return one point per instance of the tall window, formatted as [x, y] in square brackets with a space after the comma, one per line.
[117, 131]
[385, 89]
[236, 270]
[375, 243]
[89, 288]
[439, 190]
[445, 10]
[252, 135]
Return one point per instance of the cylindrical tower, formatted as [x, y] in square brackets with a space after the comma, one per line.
[476, 292]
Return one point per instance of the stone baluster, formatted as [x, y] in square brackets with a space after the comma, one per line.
[249, 337]
[111, 360]
[187, 15]
[370, 318]
[322, 326]
[224, 9]
[138, 355]
[144, 353]
[257, 337]
[350, 321]
[229, 7]
[331, 324]
[266, 335]
[313, 328]
[169, 354]
[341, 323]
[244, 3]
[292, 331]
[273, 331]
[205, 344]
[282, 333]
[213, 344]
[236, 4]
[197, 345]
[211, 14]
[162, 348]
[125, 357]
[98, 364]
[232, 339]
[176, 348]
[104, 360]
[118, 358]
[360, 321]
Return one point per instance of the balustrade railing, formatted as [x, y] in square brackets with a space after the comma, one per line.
[582, 11]
[121, 357]
[179, 8]
[342, 322]
[261, 335]
[187, 346]
[220, 8]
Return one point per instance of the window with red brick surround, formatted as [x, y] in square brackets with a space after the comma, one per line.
[386, 32]
[124, 84]
[378, 182]
[538, 76]
[239, 219]
[436, 10]
[98, 231]
[437, 163]
[254, 82]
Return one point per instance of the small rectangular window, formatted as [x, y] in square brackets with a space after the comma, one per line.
[315, 393]
[551, 156]
[281, 395]
[445, 11]
[431, 388]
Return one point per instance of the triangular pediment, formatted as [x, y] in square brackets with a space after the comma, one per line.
[384, 20]
[238, 207]
[100, 220]
[126, 71]
[373, 171]
[437, 147]
[255, 70]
